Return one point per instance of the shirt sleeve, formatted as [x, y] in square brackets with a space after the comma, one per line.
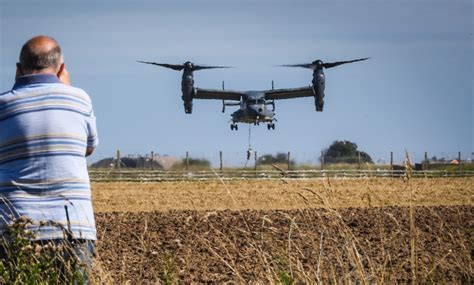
[92, 138]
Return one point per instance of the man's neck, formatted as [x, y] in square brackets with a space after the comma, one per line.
[38, 78]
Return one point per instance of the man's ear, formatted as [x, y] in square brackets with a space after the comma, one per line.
[19, 71]
[60, 71]
[63, 75]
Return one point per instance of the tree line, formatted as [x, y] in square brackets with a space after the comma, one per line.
[338, 152]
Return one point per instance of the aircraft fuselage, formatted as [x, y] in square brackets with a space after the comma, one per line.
[253, 109]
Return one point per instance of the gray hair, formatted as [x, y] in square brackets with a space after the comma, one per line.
[34, 58]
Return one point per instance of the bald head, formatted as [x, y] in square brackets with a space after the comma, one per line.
[40, 54]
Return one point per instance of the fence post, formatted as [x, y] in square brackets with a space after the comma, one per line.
[426, 161]
[391, 160]
[187, 161]
[358, 158]
[221, 163]
[459, 160]
[391, 163]
[289, 159]
[322, 160]
[118, 162]
[256, 161]
[152, 160]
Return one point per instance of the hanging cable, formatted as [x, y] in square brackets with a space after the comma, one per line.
[249, 150]
[250, 136]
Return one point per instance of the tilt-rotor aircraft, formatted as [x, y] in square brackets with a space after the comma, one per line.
[253, 104]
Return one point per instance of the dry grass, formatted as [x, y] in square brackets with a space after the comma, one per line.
[330, 244]
[279, 194]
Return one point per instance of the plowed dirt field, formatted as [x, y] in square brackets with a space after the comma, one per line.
[331, 231]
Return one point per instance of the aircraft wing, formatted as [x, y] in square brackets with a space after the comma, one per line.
[217, 94]
[289, 93]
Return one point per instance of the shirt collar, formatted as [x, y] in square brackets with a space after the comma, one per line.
[25, 80]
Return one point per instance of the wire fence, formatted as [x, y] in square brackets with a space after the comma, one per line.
[253, 160]
[203, 175]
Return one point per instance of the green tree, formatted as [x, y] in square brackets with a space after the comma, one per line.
[345, 152]
[202, 162]
[279, 158]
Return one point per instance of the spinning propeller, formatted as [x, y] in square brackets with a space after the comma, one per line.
[186, 66]
[320, 64]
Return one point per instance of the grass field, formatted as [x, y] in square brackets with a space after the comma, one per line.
[286, 231]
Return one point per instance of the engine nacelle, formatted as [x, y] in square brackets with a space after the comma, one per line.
[188, 101]
[319, 84]
[319, 102]
[188, 106]
[188, 90]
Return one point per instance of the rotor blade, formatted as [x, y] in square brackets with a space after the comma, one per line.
[199, 67]
[304, 65]
[171, 66]
[333, 64]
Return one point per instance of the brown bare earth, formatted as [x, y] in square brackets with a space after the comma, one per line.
[329, 231]
[279, 194]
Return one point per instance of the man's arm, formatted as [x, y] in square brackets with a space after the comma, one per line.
[89, 150]
[92, 138]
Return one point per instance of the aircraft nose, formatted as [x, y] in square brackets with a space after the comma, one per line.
[258, 110]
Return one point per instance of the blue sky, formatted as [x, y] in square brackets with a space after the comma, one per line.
[415, 92]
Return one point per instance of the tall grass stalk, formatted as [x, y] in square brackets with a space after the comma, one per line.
[408, 174]
[35, 262]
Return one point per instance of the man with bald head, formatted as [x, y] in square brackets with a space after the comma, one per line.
[47, 128]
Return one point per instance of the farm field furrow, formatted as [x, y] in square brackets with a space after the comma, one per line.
[286, 231]
[350, 245]
[279, 194]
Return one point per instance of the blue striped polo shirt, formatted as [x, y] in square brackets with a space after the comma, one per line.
[45, 128]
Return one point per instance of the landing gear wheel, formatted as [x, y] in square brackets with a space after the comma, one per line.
[234, 127]
[271, 126]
